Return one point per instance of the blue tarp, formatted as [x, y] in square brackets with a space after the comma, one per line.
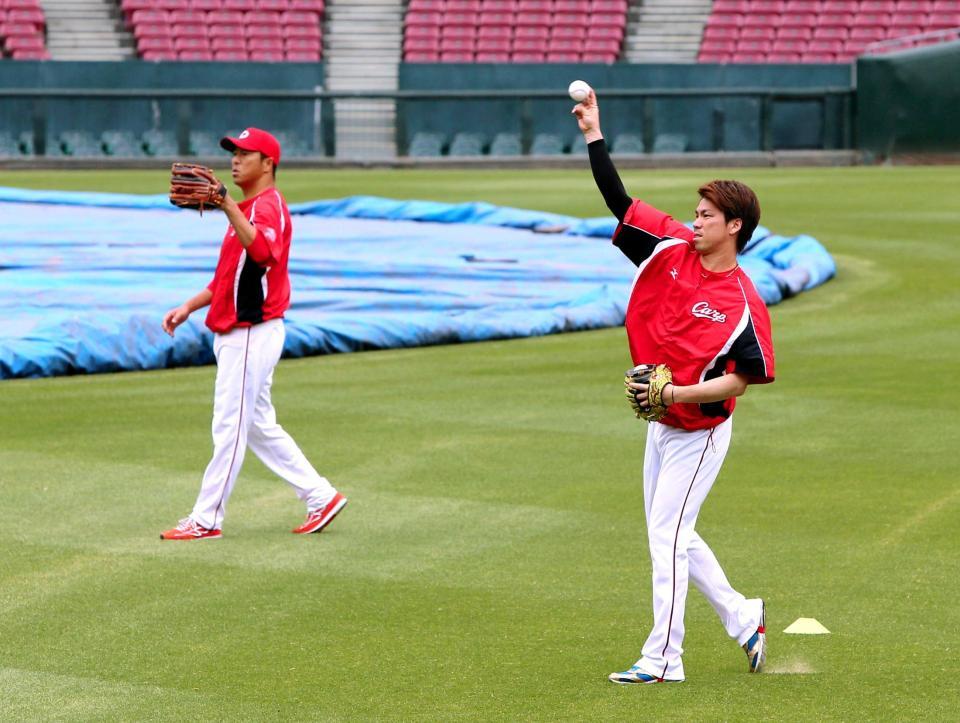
[86, 278]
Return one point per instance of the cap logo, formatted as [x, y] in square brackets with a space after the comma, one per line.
[245, 134]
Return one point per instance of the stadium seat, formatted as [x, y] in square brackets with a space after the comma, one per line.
[670, 143]
[628, 143]
[426, 145]
[578, 147]
[739, 57]
[265, 56]
[803, 6]
[80, 144]
[506, 144]
[767, 6]
[753, 46]
[829, 32]
[122, 144]
[303, 56]
[195, 56]
[758, 33]
[267, 44]
[421, 57]
[227, 43]
[466, 144]
[720, 58]
[547, 144]
[878, 6]
[491, 57]
[718, 46]
[456, 56]
[493, 45]
[159, 56]
[789, 45]
[783, 57]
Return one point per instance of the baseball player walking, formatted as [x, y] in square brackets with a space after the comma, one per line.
[693, 309]
[248, 296]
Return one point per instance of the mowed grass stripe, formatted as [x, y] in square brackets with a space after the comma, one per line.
[492, 563]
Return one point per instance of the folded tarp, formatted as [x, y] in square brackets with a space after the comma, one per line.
[86, 278]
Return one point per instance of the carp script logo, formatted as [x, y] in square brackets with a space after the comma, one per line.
[702, 310]
[245, 134]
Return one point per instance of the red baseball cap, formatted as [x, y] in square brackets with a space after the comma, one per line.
[254, 139]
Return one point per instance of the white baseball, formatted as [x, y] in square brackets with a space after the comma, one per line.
[579, 90]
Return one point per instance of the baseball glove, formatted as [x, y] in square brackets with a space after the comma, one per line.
[656, 376]
[194, 186]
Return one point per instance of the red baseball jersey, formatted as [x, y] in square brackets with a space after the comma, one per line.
[700, 323]
[252, 284]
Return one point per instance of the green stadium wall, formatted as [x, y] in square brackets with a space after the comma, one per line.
[910, 101]
[19, 115]
[793, 123]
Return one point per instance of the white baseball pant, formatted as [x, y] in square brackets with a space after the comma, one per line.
[679, 469]
[243, 415]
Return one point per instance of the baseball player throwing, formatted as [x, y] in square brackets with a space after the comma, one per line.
[695, 317]
[248, 296]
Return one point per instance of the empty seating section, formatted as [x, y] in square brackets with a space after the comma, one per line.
[226, 30]
[22, 30]
[816, 31]
[514, 31]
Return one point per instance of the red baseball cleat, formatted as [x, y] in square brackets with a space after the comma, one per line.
[187, 529]
[318, 519]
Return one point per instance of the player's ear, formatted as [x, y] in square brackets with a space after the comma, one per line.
[734, 225]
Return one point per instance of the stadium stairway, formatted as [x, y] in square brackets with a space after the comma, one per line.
[362, 53]
[665, 31]
[86, 30]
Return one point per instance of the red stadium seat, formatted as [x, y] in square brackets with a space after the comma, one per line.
[261, 19]
[271, 44]
[607, 20]
[299, 17]
[525, 57]
[465, 19]
[777, 57]
[151, 30]
[767, 6]
[492, 57]
[560, 57]
[158, 56]
[565, 45]
[226, 31]
[182, 44]
[267, 56]
[721, 32]
[835, 20]
[758, 33]
[422, 57]
[718, 46]
[592, 46]
[456, 57]
[577, 20]
[205, 5]
[241, 5]
[945, 6]
[803, 6]
[731, 7]
[868, 34]
[908, 20]
[753, 46]
[195, 55]
[855, 47]
[720, 58]
[800, 33]
[572, 6]
[187, 16]
[489, 45]
[534, 6]
[227, 43]
[31, 54]
[818, 58]
[609, 6]
[830, 33]
[424, 18]
[188, 30]
[155, 44]
[26, 17]
[423, 31]
[229, 56]
[459, 31]
[277, 6]
[225, 17]
[457, 45]
[749, 58]
[462, 6]
[533, 31]
[529, 45]
[914, 6]
[303, 31]
[496, 19]
[542, 19]
[149, 16]
[303, 56]
[606, 32]
[840, 6]
[730, 20]
[789, 45]
[871, 20]
[24, 42]
[761, 19]
[877, 6]
[316, 6]
[902, 32]
[799, 20]
[429, 5]
[824, 46]
[306, 45]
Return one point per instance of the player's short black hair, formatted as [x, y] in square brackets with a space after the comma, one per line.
[735, 200]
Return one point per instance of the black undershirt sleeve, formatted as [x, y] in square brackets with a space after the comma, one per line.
[608, 180]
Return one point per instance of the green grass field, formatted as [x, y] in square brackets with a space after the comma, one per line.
[492, 563]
